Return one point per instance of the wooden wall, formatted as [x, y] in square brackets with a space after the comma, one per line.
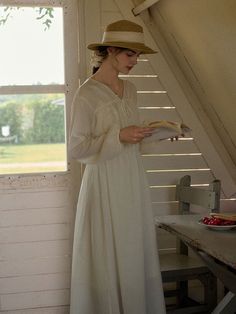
[36, 218]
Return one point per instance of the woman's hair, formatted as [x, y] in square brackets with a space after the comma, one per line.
[99, 56]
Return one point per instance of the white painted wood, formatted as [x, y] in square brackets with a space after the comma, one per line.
[41, 181]
[177, 95]
[228, 205]
[107, 18]
[163, 194]
[31, 217]
[46, 310]
[88, 33]
[108, 5]
[34, 299]
[71, 52]
[32, 89]
[173, 162]
[172, 178]
[149, 115]
[184, 35]
[143, 6]
[39, 265]
[155, 100]
[165, 208]
[36, 216]
[35, 250]
[25, 234]
[147, 83]
[182, 146]
[37, 283]
[33, 2]
[142, 67]
[165, 240]
[12, 200]
[167, 194]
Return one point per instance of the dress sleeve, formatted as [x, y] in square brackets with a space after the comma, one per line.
[86, 143]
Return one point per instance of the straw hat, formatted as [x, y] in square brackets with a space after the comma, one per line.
[123, 34]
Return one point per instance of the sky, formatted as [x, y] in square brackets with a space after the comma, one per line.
[30, 55]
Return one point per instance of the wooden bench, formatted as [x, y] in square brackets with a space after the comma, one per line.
[179, 267]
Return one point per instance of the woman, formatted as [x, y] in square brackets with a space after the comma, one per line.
[115, 267]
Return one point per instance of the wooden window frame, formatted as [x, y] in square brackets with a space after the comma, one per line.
[70, 30]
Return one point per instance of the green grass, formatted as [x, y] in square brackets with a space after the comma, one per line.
[32, 158]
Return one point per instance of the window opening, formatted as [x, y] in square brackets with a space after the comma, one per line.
[32, 90]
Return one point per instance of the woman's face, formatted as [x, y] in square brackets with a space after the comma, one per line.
[123, 60]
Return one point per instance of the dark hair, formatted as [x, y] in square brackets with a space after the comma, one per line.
[102, 53]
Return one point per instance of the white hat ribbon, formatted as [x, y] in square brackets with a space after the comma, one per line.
[123, 37]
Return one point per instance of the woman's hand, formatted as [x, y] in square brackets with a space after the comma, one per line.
[134, 134]
[176, 137]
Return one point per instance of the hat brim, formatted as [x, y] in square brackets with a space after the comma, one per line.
[137, 47]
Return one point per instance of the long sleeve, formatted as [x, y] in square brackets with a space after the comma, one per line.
[89, 142]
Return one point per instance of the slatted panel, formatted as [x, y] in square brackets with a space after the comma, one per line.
[40, 282]
[38, 216]
[143, 67]
[32, 250]
[173, 177]
[36, 241]
[48, 310]
[165, 161]
[146, 83]
[33, 199]
[228, 205]
[155, 100]
[165, 240]
[35, 299]
[165, 208]
[33, 266]
[182, 146]
[49, 232]
[149, 115]
[173, 162]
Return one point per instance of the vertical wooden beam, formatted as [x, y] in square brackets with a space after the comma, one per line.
[143, 6]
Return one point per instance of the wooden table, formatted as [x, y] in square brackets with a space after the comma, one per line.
[216, 248]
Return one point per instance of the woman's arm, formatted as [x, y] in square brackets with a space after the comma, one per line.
[84, 145]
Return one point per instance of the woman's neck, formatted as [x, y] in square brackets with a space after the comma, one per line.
[107, 75]
[109, 78]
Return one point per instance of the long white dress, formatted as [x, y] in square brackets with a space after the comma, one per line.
[115, 268]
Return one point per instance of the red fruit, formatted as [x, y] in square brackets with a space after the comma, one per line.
[217, 221]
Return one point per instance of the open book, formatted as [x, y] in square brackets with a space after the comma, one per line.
[166, 129]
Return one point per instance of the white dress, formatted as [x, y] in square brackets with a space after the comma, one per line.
[115, 268]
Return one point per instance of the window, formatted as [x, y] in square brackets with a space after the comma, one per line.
[32, 88]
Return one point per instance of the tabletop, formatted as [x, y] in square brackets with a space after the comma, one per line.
[218, 244]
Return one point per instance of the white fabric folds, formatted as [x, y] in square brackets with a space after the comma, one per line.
[115, 267]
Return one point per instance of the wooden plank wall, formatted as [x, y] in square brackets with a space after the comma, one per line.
[36, 223]
[165, 162]
[37, 216]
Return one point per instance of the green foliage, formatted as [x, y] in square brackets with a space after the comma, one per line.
[10, 114]
[48, 124]
[45, 15]
[7, 12]
[33, 118]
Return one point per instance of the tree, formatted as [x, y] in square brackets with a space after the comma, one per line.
[48, 123]
[10, 114]
[45, 15]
